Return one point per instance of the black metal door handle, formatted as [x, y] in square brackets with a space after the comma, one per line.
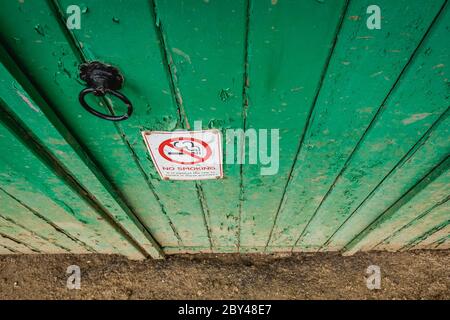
[127, 102]
[103, 79]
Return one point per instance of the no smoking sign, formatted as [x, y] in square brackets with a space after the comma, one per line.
[186, 155]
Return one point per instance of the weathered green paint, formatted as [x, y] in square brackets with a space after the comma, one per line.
[362, 114]
[154, 107]
[75, 160]
[27, 237]
[27, 178]
[15, 212]
[344, 110]
[101, 140]
[419, 228]
[280, 94]
[432, 190]
[207, 67]
[4, 250]
[428, 153]
[433, 240]
[410, 110]
[12, 245]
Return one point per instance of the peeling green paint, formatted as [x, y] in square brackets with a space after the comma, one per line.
[362, 114]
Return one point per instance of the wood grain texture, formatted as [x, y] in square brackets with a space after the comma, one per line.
[444, 244]
[433, 240]
[51, 56]
[363, 120]
[4, 250]
[425, 224]
[14, 211]
[426, 155]
[205, 43]
[288, 44]
[343, 110]
[418, 99]
[27, 178]
[27, 237]
[148, 86]
[34, 115]
[427, 193]
[14, 246]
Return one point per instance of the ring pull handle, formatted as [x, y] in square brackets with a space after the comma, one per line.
[102, 79]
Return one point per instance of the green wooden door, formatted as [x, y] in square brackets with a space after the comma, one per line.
[362, 116]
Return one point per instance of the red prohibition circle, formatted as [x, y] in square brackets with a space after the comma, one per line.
[168, 143]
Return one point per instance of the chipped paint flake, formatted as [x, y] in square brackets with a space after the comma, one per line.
[416, 117]
[27, 101]
[182, 54]
[376, 74]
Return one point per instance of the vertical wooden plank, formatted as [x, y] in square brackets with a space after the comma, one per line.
[420, 97]
[21, 169]
[433, 240]
[32, 35]
[418, 229]
[431, 190]
[205, 42]
[418, 163]
[289, 43]
[173, 210]
[28, 114]
[370, 58]
[16, 212]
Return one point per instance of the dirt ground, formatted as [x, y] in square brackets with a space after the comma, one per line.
[411, 275]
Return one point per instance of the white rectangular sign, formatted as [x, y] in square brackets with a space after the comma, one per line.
[186, 155]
